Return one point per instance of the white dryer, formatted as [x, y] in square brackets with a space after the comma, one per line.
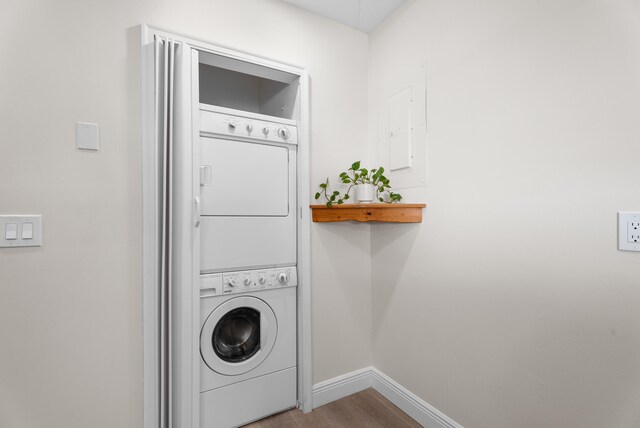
[247, 345]
[248, 190]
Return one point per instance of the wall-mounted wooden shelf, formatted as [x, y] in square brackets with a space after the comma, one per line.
[390, 213]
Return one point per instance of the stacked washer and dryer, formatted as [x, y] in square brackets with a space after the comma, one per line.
[248, 266]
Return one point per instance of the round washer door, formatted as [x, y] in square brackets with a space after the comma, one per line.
[238, 335]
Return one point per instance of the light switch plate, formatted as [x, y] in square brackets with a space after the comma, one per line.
[35, 222]
[87, 137]
[628, 231]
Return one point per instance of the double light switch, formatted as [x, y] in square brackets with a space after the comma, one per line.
[20, 230]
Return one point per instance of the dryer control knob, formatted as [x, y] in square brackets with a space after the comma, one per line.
[232, 127]
[249, 127]
[265, 131]
[283, 133]
[262, 279]
[283, 277]
[247, 281]
[231, 282]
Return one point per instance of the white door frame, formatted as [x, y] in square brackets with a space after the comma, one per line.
[150, 238]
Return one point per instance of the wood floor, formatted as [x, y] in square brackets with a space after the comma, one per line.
[365, 409]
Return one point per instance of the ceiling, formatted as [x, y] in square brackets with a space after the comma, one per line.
[363, 15]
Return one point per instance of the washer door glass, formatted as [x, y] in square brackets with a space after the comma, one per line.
[236, 337]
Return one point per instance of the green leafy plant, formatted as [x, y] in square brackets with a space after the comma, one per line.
[331, 197]
[354, 176]
[394, 197]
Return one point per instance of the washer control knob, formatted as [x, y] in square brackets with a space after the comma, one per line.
[232, 127]
[231, 282]
[283, 133]
[283, 277]
[262, 279]
[247, 282]
[265, 131]
[249, 127]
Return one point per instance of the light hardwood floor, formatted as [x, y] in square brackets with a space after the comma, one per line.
[365, 409]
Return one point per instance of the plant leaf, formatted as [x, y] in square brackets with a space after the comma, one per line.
[355, 165]
[318, 195]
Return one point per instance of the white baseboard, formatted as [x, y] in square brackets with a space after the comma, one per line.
[356, 381]
[341, 386]
[424, 413]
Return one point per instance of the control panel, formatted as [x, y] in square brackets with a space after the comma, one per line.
[247, 127]
[248, 281]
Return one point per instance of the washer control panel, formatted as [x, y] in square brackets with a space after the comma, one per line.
[248, 281]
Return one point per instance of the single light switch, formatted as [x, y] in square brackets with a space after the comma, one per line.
[87, 136]
[27, 231]
[11, 231]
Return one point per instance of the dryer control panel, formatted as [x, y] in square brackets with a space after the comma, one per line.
[247, 126]
[248, 281]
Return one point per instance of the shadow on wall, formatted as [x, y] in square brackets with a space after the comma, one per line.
[345, 257]
[391, 247]
[351, 240]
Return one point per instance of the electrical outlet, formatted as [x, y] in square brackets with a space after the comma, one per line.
[629, 231]
[633, 232]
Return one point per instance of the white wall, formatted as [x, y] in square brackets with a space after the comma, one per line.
[520, 308]
[510, 306]
[70, 311]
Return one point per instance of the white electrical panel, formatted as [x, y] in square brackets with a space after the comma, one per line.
[401, 130]
[629, 231]
[20, 231]
[402, 127]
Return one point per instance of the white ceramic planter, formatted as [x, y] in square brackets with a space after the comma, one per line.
[364, 193]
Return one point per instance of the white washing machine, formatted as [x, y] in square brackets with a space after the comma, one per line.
[247, 345]
[248, 190]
